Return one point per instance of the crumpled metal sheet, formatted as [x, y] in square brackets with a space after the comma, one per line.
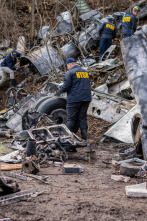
[62, 28]
[70, 50]
[13, 157]
[122, 89]
[121, 131]
[134, 51]
[88, 38]
[118, 18]
[92, 15]
[143, 12]
[142, 31]
[40, 59]
[15, 122]
[32, 118]
[108, 107]
[44, 32]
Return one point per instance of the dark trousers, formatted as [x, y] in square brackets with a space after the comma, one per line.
[105, 43]
[76, 116]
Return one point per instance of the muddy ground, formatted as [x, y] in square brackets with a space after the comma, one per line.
[88, 196]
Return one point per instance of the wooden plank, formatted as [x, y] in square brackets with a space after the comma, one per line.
[8, 166]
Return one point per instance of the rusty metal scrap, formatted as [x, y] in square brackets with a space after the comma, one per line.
[16, 197]
[16, 176]
[5, 134]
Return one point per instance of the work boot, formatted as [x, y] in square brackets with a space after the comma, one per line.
[13, 82]
[84, 134]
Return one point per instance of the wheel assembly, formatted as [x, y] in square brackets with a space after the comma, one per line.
[56, 108]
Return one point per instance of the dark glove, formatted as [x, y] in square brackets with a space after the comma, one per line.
[18, 70]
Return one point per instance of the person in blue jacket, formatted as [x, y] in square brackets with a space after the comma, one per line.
[129, 22]
[108, 32]
[77, 85]
[8, 67]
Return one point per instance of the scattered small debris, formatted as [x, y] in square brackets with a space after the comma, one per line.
[120, 178]
[142, 172]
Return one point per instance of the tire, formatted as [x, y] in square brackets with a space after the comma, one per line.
[40, 101]
[55, 105]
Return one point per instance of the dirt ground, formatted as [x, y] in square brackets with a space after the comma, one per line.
[88, 196]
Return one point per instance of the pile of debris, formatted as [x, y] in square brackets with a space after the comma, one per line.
[37, 122]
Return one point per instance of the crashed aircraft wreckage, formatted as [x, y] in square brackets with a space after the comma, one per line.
[134, 51]
[46, 58]
[105, 106]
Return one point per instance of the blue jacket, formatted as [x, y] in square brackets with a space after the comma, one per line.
[10, 62]
[129, 24]
[107, 30]
[77, 85]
